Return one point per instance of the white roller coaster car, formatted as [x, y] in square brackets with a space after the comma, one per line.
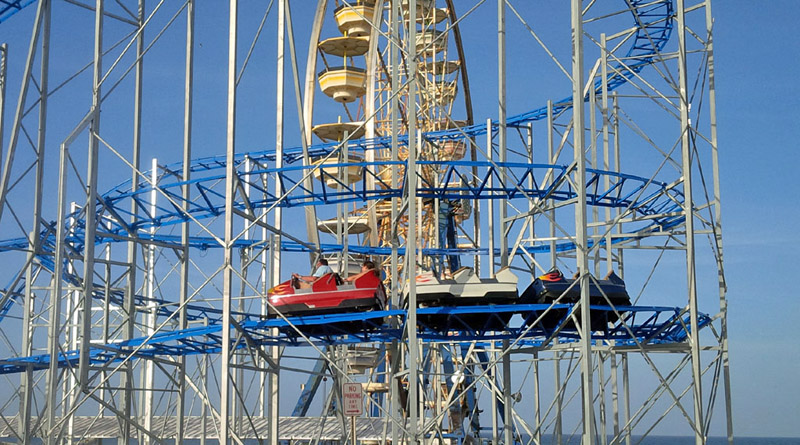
[467, 289]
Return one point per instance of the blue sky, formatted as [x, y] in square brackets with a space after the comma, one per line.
[758, 99]
[758, 111]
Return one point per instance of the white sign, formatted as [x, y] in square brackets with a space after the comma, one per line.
[351, 399]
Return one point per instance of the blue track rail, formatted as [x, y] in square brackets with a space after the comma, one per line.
[644, 197]
[642, 325]
[11, 7]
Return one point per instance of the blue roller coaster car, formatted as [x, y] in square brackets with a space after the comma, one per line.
[553, 288]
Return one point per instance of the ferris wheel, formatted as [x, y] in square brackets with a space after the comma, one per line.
[359, 69]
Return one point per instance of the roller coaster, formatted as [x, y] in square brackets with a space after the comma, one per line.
[142, 312]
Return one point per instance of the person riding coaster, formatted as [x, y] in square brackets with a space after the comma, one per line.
[310, 295]
[305, 281]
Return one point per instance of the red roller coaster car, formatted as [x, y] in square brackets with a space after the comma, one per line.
[327, 294]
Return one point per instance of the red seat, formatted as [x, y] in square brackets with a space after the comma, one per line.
[324, 283]
[367, 280]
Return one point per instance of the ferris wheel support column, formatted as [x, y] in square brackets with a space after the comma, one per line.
[688, 210]
[372, 61]
[723, 303]
[305, 131]
[309, 91]
[227, 272]
[411, 239]
[395, 410]
[581, 245]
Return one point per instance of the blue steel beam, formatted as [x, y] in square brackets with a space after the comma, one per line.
[643, 325]
[11, 7]
[644, 196]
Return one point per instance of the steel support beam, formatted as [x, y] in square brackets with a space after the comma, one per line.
[395, 349]
[186, 174]
[581, 244]
[688, 211]
[501, 123]
[412, 365]
[723, 286]
[491, 243]
[5, 178]
[90, 207]
[3, 81]
[508, 413]
[230, 190]
[27, 380]
[273, 386]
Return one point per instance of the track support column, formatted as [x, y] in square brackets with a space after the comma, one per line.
[581, 245]
[27, 379]
[273, 399]
[186, 195]
[227, 273]
[688, 211]
[501, 123]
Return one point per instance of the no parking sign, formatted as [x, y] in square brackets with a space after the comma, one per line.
[352, 399]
